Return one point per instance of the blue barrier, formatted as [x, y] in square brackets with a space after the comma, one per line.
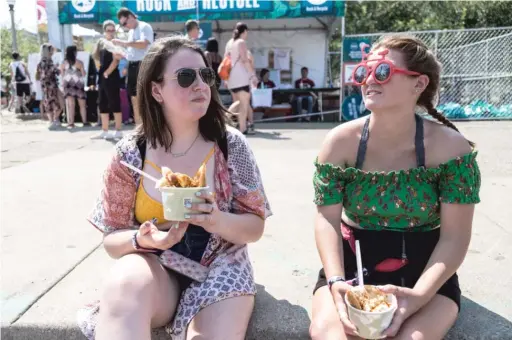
[477, 109]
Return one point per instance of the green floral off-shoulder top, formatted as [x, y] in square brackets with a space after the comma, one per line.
[404, 200]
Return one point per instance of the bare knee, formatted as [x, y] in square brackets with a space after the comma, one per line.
[323, 328]
[414, 335]
[129, 286]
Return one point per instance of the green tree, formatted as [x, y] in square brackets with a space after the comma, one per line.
[400, 16]
[403, 16]
[27, 44]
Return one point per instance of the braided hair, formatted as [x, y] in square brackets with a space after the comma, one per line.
[420, 59]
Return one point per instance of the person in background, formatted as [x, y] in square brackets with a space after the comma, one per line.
[73, 71]
[213, 57]
[32, 103]
[21, 77]
[265, 82]
[46, 73]
[242, 75]
[109, 83]
[192, 29]
[304, 83]
[5, 92]
[140, 38]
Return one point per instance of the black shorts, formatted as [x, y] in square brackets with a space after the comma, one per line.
[243, 88]
[109, 96]
[192, 246]
[133, 73]
[22, 89]
[388, 244]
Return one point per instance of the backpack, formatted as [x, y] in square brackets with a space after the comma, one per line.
[19, 76]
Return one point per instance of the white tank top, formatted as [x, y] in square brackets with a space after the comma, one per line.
[239, 77]
[15, 64]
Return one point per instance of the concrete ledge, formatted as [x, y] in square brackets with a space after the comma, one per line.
[279, 320]
[285, 259]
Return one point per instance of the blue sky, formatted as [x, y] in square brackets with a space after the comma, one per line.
[25, 16]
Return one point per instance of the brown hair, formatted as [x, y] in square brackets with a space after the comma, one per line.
[125, 13]
[154, 129]
[240, 28]
[419, 58]
[190, 25]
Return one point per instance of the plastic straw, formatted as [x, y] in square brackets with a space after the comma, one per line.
[359, 266]
[140, 171]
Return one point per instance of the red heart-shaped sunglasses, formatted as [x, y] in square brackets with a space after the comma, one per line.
[382, 70]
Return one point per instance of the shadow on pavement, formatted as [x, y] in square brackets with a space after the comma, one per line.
[296, 126]
[267, 135]
[476, 322]
[277, 319]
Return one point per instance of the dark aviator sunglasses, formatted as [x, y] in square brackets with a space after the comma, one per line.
[187, 76]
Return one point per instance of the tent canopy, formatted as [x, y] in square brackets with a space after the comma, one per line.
[301, 27]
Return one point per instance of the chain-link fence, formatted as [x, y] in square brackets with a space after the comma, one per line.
[476, 81]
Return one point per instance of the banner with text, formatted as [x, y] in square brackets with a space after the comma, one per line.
[96, 11]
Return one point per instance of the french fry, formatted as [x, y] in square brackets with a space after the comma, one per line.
[371, 299]
[184, 181]
[179, 180]
[353, 300]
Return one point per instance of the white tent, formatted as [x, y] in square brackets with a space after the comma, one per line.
[306, 39]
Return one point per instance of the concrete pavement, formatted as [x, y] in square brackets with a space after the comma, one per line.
[51, 264]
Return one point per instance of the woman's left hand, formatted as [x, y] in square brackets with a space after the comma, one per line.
[409, 302]
[210, 215]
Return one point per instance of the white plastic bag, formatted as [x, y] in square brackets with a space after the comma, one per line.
[261, 97]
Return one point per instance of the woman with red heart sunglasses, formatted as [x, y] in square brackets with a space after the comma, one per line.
[405, 187]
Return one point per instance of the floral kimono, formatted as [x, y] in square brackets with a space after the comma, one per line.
[48, 72]
[238, 189]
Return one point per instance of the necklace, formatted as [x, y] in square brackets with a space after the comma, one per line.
[181, 154]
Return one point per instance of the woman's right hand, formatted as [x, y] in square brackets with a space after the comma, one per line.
[338, 291]
[150, 237]
[254, 81]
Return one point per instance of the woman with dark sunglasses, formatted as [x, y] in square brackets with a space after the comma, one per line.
[193, 277]
[109, 82]
[402, 185]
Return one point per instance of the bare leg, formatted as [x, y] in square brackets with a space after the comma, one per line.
[118, 117]
[224, 320]
[244, 98]
[136, 113]
[432, 322]
[234, 108]
[325, 323]
[250, 116]
[70, 101]
[56, 117]
[139, 295]
[83, 112]
[105, 121]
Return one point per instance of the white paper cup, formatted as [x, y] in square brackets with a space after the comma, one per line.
[174, 199]
[370, 325]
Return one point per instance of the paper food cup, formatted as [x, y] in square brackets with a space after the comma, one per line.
[174, 199]
[370, 325]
